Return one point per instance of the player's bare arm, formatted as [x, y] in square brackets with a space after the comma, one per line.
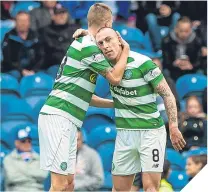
[101, 102]
[170, 105]
[115, 75]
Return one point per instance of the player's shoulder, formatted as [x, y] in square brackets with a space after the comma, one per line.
[88, 41]
[137, 59]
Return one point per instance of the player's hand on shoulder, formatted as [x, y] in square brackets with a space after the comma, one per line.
[80, 33]
[124, 44]
[177, 139]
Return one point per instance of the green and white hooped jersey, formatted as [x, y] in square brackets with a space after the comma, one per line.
[135, 98]
[76, 79]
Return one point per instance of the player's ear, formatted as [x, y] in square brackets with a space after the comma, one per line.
[108, 24]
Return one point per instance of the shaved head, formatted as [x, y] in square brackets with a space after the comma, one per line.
[108, 41]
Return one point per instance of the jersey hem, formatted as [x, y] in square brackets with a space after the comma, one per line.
[75, 123]
[132, 129]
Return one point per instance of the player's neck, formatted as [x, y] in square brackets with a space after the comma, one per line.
[93, 31]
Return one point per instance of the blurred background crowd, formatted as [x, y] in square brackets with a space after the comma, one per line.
[34, 38]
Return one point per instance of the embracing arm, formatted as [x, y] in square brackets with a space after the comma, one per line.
[101, 102]
[170, 105]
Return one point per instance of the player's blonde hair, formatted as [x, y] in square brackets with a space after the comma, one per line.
[99, 14]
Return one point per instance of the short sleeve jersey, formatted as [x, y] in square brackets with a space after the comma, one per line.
[76, 79]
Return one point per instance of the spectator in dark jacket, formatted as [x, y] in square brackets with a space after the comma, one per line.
[193, 123]
[160, 13]
[42, 16]
[21, 48]
[182, 50]
[57, 36]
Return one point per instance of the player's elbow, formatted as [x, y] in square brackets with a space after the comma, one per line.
[115, 81]
[112, 79]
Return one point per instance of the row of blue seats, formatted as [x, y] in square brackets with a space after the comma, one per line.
[40, 82]
[100, 136]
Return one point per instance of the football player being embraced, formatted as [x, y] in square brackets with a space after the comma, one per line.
[141, 134]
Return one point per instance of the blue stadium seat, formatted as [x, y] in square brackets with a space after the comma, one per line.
[37, 109]
[108, 182]
[178, 179]
[9, 84]
[39, 84]
[93, 121]
[6, 26]
[25, 6]
[198, 151]
[18, 110]
[102, 134]
[191, 84]
[148, 53]
[164, 30]
[33, 101]
[47, 183]
[148, 42]
[176, 160]
[133, 36]
[52, 71]
[9, 91]
[109, 112]
[102, 88]
[105, 151]
[183, 105]
[84, 135]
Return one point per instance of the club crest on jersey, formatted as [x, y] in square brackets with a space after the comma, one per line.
[93, 78]
[128, 74]
[63, 166]
[98, 57]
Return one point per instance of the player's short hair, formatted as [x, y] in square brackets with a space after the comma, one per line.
[184, 19]
[98, 14]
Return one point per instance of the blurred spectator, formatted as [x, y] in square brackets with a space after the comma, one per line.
[21, 48]
[192, 123]
[182, 50]
[194, 108]
[164, 185]
[194, 164]
[89, 171]
[132, 21]
[42, 16]
[21, 166]
[6, 6]
[57, 37]
[160, 13]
